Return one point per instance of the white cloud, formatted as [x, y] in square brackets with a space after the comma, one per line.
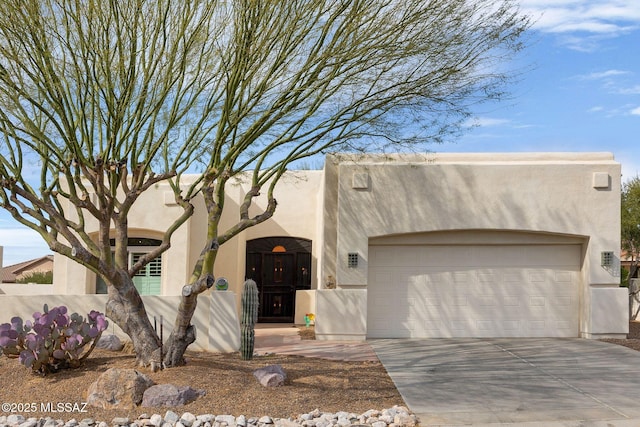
[485, 122]
[603, 74]
[21, 244]
[582, 24]
[619, 82]
[631, 90]
[19, 237]
[635, 111]
[594, 16]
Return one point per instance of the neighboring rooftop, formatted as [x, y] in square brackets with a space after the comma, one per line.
[11, 273]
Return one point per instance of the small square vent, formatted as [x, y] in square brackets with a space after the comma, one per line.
[606, 259]
[352, 259]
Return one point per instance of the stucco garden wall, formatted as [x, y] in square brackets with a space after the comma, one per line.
[215, 318]
[25, 289]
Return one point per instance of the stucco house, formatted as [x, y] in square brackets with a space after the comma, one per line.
[433, 245]
[17, 272]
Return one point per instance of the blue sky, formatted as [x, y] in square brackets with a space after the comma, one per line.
[580, 91]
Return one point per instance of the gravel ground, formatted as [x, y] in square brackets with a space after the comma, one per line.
[633, 338]
[330, 386]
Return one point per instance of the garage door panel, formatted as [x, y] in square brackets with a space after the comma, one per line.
[438, 256]
[463, 300]
[497, 255]
[550, 255]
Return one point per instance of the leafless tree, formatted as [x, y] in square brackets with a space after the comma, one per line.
[110, 97]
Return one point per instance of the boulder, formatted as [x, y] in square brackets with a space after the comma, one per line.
[270, 376]
[169, 395]
[110, 342]
[118, 388]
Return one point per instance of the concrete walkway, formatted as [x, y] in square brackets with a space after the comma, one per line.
[284, 339]
[519, 382]
[493, 382]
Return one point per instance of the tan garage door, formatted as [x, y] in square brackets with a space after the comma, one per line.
[473, 291]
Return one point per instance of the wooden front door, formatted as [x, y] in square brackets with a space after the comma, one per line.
[279, 266]
[277, 290]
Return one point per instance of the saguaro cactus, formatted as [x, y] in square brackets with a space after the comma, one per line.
[249, 319]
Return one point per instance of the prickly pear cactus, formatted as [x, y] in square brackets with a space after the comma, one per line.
[249, 319]
[53, 340]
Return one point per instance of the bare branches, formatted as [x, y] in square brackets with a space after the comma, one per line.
[111, 97]
[299, 78]
[106, 99]
[100, 100]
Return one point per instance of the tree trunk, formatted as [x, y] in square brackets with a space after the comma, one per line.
[184, 333]
[177, 345]
[126, 309]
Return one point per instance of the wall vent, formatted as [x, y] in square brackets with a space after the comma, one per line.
[352, 259]
[606, 259]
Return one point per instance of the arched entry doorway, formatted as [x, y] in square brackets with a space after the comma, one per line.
[280, 266]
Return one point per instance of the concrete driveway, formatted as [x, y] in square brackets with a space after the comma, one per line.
[526, 382]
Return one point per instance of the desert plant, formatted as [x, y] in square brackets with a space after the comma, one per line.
[40, 277]
[53, 340]
[249, 318]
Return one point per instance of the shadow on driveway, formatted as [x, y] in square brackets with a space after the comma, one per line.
[543, 381]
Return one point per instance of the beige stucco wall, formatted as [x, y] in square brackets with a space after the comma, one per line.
[575, 194]
[551, 193]
[297, 215]
[25, 289]
[218, 329]
[153, 212]
[354, 200]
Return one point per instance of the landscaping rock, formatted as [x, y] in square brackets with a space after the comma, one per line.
[169, 395]
[156, 419]
[205, 418]
[270, 376]
[408, 420]
[265, 420]
[15, 419]
[110, 342]
[402, 418]
[118, 388]
[171, 417]
[187, 419]
[230, 420]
